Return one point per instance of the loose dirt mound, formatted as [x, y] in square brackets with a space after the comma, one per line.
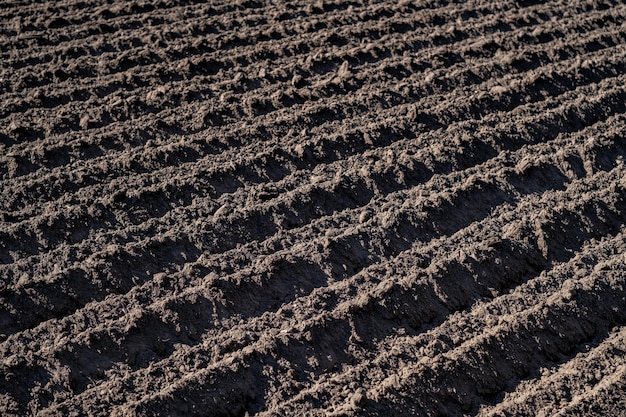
[298, 208]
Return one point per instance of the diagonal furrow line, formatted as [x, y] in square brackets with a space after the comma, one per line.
[255, 348]
[148, 250]
[147, 316]
[90, 177]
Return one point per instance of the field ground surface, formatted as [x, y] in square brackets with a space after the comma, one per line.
[298, 208]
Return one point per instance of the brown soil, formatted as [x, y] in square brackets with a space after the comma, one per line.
[312, 208]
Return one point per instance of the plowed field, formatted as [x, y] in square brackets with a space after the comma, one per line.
[298, 208]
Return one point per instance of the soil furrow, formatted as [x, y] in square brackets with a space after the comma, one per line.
[146, 317]
[191, 152]
[220, 237]
[330, 208]
[151, 249]
[559, 387]
[406, 344]
[505, 129]
[174, 98]
[316, 21]
[262, 345]
[559, 325]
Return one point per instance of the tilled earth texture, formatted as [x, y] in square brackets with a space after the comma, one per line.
[298, 208]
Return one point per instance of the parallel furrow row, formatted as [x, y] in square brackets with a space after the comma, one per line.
[259, 291]
[254, 223]
[328, 208]
[196, 150]
[249, 344]
[109, 113]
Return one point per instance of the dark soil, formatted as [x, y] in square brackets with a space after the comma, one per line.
[294, 208]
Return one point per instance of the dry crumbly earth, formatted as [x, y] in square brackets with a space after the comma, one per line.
[332, 208]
